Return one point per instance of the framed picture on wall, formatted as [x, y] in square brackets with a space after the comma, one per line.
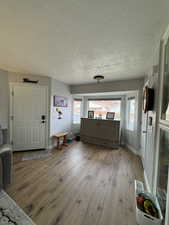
[91, 114]
[110, 115]
[59, 101]
[148, 99]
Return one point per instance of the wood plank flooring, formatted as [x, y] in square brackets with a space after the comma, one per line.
[80, 185]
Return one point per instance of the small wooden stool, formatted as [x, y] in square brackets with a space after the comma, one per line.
[58, 137]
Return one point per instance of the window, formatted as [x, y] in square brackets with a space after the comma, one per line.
[77, 105]
[131, 113]
[102, 106]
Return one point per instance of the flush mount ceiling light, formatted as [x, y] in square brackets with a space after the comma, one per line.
[98, 78]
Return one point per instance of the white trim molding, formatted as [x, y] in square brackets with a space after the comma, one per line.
[146, 182]
[133, 150]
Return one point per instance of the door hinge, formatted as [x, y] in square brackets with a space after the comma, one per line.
[11, 142]
[12, 117]
[12, 93]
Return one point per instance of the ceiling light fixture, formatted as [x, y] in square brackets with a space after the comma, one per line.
[98, 78]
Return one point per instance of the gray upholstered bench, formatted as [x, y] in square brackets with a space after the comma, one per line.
[10, 212]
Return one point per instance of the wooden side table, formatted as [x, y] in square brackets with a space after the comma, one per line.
[58, 137]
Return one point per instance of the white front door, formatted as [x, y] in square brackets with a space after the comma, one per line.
[29, 117]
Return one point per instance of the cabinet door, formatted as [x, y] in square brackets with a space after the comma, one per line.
[162, 156]
[163, 162]
[165, 84]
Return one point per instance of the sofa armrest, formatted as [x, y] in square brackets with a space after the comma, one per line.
[1, 174]
[6, 160]
[5, 148]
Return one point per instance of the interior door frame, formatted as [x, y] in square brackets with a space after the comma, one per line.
[11, 86]
[161, 124]
[144, 132]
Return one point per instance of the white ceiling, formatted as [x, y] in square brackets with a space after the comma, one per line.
[73, 40]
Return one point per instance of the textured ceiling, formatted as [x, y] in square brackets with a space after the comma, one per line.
[72, 40]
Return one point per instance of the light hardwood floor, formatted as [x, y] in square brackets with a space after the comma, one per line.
[80, 185]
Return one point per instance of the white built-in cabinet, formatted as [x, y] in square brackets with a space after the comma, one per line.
[162, 151]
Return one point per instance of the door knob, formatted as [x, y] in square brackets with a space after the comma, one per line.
[43, 117]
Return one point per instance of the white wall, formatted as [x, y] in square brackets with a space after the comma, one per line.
[64, 124]
[150, 152]
[4, 99]
[114, 86]
[18, 78]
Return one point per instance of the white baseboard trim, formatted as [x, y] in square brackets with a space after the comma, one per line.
[146, 182]
[49, 147]
[133, 150]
